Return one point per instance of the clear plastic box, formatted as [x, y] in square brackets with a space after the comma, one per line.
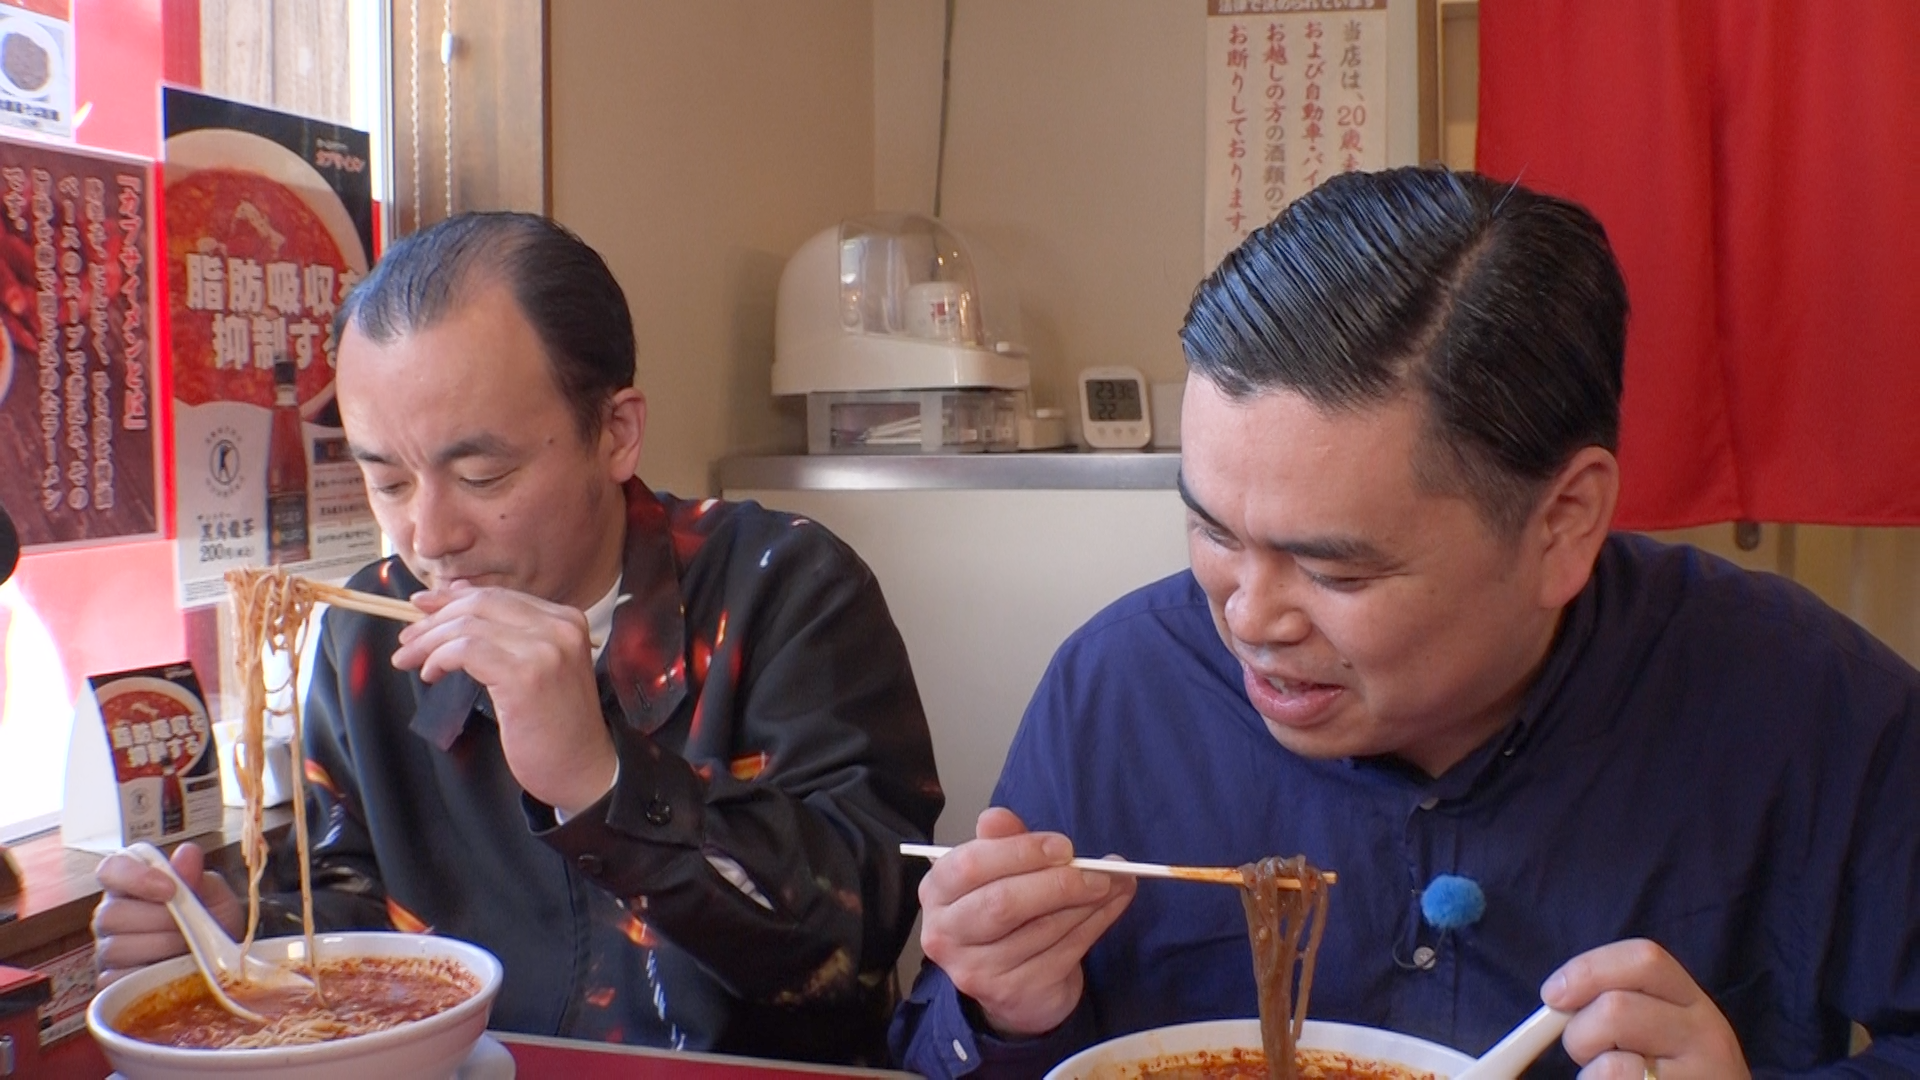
[913, 422]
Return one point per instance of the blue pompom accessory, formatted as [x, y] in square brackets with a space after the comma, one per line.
[1450, 902]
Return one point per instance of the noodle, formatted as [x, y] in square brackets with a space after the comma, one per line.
[371, 993]
[1279, 921]
[270, 610]
[1252, 1065]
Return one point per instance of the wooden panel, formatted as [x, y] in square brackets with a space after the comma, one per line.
[1871, 575]
[1457, 82]
[281, 54]
[236, 49]
[1823, 562]
[1720, 540]
[310, 62]
[1883, 586]
[498, 93]
[53, 911]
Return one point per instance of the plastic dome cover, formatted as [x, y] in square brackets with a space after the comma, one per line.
[894, 301]
[909, 274]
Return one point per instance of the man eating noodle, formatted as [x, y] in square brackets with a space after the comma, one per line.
[1673, 798]
[657, 755]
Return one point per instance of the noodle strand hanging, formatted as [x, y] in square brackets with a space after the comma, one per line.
[1284, 926]
[271, 610]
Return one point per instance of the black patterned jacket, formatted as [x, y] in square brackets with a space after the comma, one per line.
[765, 716]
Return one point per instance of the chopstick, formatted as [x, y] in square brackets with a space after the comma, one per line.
[385, 607]
[1214, 875]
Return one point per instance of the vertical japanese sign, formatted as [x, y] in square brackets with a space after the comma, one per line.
[36, 65]
[1296, 92]
[76, 419]
[269, 221]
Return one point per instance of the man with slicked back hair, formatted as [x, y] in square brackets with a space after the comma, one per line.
[1549, 762]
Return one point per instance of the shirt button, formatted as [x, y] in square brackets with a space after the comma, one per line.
[659, 812]
[1429, 803]
[590, 865]
[1424, 958]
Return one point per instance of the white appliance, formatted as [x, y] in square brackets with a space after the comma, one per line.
[904, 337]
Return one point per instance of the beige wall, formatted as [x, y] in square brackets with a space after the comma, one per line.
[696, 145]
[1075, 152]
[1075, 135]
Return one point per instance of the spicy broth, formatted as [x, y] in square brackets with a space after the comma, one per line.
[364, 994]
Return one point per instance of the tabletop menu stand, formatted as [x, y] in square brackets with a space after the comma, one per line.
[21, 995]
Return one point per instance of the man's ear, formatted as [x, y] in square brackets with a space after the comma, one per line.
[1573, 520]
[622, 433]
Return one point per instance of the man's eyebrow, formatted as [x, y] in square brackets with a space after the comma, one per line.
[1346, 550]
[471, 447]
[1193, 504]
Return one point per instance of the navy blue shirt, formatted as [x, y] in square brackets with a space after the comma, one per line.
[1710, 758]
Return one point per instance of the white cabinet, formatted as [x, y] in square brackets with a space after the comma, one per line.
[986, 569]
[985, 585]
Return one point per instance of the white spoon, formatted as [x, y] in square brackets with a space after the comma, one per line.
[216, 954]
[1520, 1047]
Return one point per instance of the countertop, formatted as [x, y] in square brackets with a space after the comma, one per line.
[57, 902]
[1049, 470]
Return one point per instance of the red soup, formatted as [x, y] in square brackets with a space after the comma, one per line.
[363, 994]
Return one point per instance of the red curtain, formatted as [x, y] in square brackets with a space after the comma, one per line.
[1757, 167]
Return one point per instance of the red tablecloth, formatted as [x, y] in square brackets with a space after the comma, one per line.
[78, 1058]
[568, 1059]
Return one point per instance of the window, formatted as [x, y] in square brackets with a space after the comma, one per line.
[68, 614]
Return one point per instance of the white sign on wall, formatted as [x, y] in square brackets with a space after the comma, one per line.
[1296, 92]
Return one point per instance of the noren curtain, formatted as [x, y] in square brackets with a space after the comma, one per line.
[1757, 167]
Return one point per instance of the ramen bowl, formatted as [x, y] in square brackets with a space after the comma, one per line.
[430, 1048]
[1132, 1056]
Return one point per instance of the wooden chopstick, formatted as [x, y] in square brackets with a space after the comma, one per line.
[1216, 875]
[385, 607]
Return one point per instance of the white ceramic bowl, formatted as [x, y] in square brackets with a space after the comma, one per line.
[1121, 1058]
[430, 1048]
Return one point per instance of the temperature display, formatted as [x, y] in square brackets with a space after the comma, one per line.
[1111, 400]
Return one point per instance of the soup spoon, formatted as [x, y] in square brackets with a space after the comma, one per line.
[214, 953]
[1520, 1047]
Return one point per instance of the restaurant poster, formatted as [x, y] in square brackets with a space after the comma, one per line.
[141, 764]
[72, 983]
[77, 425]
[1296, 92]
[36, 65]
[268, 219]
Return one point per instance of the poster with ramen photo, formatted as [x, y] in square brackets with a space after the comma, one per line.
[36, 65]
[142, 763]
[77, 424]
[268, 221]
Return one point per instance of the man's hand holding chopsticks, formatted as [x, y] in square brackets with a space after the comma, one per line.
[1009, 921]
[536, 661]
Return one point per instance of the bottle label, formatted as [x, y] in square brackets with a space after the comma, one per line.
[287, 527]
